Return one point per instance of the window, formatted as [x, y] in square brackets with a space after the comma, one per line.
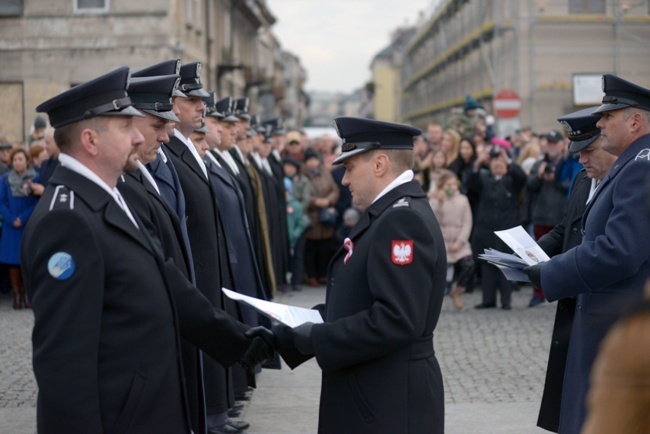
[90, 6]
[587, 6]
[11, 7]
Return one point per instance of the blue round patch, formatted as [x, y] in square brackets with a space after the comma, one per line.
[61, 266]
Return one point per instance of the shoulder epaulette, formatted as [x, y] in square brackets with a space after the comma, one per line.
[402, 202]
[63, 198]
[644, 154]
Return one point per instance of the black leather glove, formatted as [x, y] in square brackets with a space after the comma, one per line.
[534, 273]
[292, 339]
[260, 350]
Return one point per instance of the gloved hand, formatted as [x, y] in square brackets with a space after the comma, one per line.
[298, 338]
[260, 350]
[534, 273]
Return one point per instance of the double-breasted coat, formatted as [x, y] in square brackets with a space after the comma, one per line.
[210, 256]
[108, 308]
[375, 348]
[605, 272]
[564, 236]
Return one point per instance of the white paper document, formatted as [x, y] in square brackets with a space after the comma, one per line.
[292, 316]
[527, 250]
[523, 245]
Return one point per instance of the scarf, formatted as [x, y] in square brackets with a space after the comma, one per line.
[16, 181]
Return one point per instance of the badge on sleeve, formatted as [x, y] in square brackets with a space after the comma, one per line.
[61, 266]
[402, 252]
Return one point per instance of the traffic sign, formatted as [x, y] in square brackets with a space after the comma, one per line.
[507, 104]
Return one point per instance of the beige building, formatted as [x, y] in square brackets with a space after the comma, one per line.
[385, 67]
[538, 48]
[47, 46]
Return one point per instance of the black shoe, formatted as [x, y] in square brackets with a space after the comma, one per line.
[224, 429]
[506, 307]
[238, 424]
[234, 412]
[485, 306]
[242, 397]
[237, 406]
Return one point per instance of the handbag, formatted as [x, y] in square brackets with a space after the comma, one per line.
[328, 216]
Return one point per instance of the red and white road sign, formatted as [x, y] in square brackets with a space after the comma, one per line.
[507, 104]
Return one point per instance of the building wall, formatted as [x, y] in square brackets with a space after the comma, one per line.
[49, 48]
[532, 47]
[384, 101]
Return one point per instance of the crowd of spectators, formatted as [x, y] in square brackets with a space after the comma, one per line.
[476, 183]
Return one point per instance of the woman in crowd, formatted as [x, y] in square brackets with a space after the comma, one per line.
[498, 208]
[323, 195]
[16, 206]
[451, 146]
[454, 215]
[38, 154]
[438, 164]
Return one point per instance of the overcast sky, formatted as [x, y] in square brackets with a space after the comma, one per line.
[337, 39]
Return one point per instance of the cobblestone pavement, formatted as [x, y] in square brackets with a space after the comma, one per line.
[493, 363]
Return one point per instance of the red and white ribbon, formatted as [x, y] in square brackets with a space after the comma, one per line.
[348, 245]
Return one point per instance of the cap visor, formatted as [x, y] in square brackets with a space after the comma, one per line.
[344, 156]
[197, 92]
[245, 117]
[215, 114]
[230, 118]
[579, 145]
[128, 111]
[170, 116]
[178, 93]
[609, 107]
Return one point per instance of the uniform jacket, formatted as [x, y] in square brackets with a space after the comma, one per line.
[564, 236]
[246, 275]
[455, 218]
[606, 271]
[380, 374]
[106, 332]
[210, 258]
[163, 223]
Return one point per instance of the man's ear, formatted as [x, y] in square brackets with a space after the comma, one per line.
[381, 164]
[89, 139]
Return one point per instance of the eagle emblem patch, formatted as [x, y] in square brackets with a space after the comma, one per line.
[402, 252]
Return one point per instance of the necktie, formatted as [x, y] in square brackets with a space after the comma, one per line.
[348, 245]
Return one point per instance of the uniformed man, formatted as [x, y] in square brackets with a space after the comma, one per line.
[385, 288]
[205, 230]
[108, 307]
[586, 141]
[609, 268]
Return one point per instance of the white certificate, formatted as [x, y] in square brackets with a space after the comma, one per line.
[292, 316]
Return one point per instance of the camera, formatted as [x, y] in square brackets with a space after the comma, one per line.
[494, 152]
[549, 168]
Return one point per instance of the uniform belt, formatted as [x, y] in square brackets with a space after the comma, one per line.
[422, 349]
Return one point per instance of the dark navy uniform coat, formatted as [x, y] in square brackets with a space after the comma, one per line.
[106, 332]
[564, 236]
[605, 272]
[380, 374]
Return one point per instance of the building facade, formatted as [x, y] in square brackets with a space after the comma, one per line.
[46, 46]
[535, 48]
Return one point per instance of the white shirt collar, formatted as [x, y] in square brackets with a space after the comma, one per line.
[192, 149]
[406, 176]
[77, 166]
[148, 176]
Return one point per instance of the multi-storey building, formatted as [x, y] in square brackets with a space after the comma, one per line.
[47, 46]
[534, 47]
